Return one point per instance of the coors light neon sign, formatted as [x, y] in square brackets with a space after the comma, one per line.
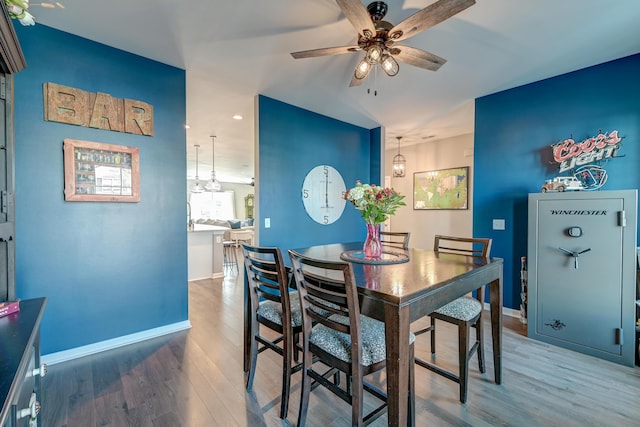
[570, 153]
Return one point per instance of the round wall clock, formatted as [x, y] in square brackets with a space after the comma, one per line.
[323, 193]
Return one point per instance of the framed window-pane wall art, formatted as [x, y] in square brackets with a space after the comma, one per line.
[96, 172]
[441, 189]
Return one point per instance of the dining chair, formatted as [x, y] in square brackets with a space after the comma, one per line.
[395, 239]
[465, 312]
[342, 339]
[275, 306]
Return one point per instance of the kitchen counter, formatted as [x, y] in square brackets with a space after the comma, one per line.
[205, 251]
[205, 227]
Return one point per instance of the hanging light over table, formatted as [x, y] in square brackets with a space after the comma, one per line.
[213, 184]
[197, 188]
[399, 162]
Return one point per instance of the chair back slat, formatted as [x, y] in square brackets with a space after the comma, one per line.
[327, 291]
[395, 239]
[476, 247]
[264, 277]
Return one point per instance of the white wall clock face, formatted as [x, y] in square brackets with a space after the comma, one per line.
[323, 194]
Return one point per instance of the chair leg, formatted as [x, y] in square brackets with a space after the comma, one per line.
[254, 355]
[480, 339]
[411, 415]
[463, 358]
[287, 346]
[305, 388]
[357, 399]
[433, 335]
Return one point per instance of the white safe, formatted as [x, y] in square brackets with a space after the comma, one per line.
[582, 271]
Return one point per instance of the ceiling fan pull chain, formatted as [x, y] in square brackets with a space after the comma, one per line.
[375, 81]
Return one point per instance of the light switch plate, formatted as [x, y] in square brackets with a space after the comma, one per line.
[267, 223]
[498, 224]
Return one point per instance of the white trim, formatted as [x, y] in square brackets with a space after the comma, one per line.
[86, 350]
[505, 310]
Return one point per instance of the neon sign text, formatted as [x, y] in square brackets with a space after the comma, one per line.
[570, 153]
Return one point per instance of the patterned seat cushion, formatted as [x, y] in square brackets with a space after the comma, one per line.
[339, 344]
[272, 310]
[464, 308]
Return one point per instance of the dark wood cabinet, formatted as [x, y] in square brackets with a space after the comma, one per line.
[11, 61]
[20, 369]
[7, 222]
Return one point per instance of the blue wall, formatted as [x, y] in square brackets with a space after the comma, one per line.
[513, 132]
[292, 141]
[108, 269]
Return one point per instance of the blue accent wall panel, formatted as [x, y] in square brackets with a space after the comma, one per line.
[292, 141]
[513, 133]
[108, 269]
[376, 160]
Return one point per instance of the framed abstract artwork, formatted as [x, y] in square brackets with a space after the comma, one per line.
[441, 189]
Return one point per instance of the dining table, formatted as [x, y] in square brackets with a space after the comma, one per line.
[403, 287]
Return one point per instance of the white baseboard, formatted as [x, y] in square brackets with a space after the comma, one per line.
[509, 312]
[86, 350]
[505, 310]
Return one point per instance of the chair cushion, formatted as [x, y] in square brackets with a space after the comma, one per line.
[339, 344]
[464, 308]
[272, 310]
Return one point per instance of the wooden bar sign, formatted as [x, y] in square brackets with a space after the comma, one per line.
[64, 104]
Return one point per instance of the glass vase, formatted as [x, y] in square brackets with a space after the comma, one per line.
[372, 246]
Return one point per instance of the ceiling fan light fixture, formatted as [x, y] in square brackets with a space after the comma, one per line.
[374, 54]
[362, 70]
[377, 36]
[389, 65]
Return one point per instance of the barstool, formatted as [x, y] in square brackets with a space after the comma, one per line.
[229, 259]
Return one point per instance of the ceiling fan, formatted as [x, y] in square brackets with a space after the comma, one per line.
[377, 38]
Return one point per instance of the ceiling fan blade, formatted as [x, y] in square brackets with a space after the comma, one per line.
[417, 57]
[356, 82]
[357, 14]
[325, 51]
[428, 17]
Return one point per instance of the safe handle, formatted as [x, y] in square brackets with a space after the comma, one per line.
[574, 254]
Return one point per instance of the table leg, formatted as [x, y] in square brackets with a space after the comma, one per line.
[397, 323]
[495, 298]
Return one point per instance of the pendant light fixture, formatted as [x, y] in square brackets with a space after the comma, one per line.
[213, 184]
[197, 188]
[399, 162]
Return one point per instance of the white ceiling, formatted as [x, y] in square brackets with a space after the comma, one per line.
[234, 50]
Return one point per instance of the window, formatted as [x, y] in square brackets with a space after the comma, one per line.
[215, 205]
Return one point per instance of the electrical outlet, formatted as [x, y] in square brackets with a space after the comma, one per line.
[498, 224]
[267, 223]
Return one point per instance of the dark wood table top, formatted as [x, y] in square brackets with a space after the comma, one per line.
[426, 274]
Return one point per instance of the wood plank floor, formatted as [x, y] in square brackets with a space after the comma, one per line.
[194, 378]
